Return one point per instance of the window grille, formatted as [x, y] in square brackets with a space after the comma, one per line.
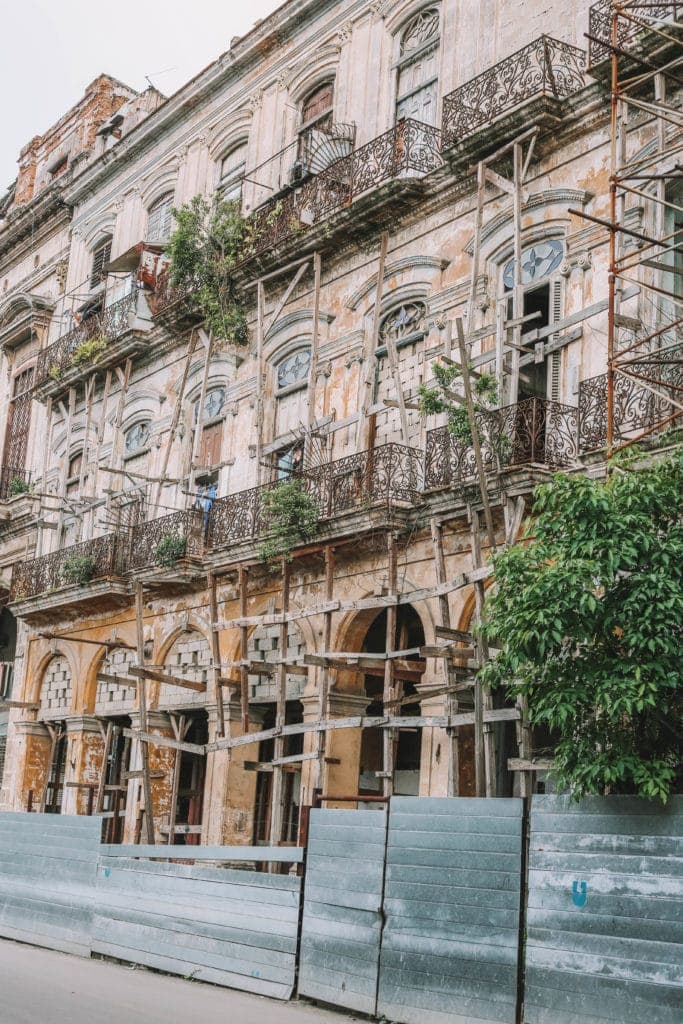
[100, 257]
[160, 220]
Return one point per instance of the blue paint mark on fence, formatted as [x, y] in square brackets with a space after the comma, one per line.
[579, 893]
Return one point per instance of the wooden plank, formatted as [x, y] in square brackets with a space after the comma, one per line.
[283, 854]
[164, 677]
[164, 741]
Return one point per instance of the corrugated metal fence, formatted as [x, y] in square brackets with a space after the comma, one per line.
[605, 912]
[412, 913]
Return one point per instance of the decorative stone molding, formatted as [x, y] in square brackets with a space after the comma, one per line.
[354, 356]
[393, 268]
[325, 369]
[345, 705]
[564, 197]
[576, 261]
[83, 723]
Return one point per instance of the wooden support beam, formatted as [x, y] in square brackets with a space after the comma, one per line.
[365, 425]
[26, 705]
[243, 583]
[446, 633]
[164, 677]
[178, 404]
[388, 691]
[324, 676]
[536, 764]
[106, 748]
[277, 792]
[142, 703]
[216, 654]
[290, 762]
[166, 741]
[45, 635]
[107, 677]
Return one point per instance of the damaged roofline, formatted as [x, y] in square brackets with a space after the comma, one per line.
[247, 49]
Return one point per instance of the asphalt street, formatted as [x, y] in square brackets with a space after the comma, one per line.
[38, 986]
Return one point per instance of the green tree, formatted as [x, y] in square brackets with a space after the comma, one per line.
[207, 243]
[588, 615]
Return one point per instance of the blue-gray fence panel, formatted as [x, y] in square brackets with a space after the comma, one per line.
[451, 901]
[342, 917]
[230, 927]
[47, 875]
[605, 912]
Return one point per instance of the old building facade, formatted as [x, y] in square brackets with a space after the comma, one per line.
[350, 133]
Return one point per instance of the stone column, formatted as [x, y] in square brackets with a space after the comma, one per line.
[230, 791]
[343, 745]
[160, 759]
[84, 752]
[31, 763]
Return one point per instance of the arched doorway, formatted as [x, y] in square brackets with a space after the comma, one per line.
[408, 744]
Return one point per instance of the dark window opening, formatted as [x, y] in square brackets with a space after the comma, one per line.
[191, 778]
[115, 785]
[291, 782]
[55, 782]
[100, 257]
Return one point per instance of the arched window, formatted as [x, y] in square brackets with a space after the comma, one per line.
[403, 323]
[214, 402]
[293, 370]
[160, 219]
[416, 89]
[233, 166]
[137, 437]
[101, 255]
[316, 117]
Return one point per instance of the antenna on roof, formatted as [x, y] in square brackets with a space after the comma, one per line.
[164, 71]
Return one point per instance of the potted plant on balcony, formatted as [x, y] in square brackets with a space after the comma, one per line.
[89, 351]
[292, 517]
[16, 486]
[206, 245]
[170, 549]
[78, 569]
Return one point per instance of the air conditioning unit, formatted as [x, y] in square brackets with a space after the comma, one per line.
[298, 172]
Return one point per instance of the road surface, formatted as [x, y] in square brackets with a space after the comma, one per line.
[38, 986]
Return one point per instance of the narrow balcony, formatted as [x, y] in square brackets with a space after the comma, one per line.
[101, 341]
[636, 408]
[383, 173]
[169, 549]
[630, 35]
[526, 88]
[352, 495]
[535, 432]
[14, 481]
[83, 577]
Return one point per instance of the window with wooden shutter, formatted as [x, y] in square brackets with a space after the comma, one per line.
[210, 445]
[160, 219]
[18, 421]
[100, 257]
[417, 83]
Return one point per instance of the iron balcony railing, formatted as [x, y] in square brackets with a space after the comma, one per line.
[409, 148]
[636, 407]
[76, 565]
[545, 68]
[600, 26]
[386, 476]
[65, 353]
[14, 480]
[534, 430]
[160, 542]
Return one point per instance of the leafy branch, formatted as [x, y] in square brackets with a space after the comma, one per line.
[444, 399]
[209, 240]
[588, 614]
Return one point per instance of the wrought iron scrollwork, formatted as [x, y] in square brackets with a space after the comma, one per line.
[636, 407]
[534, 430]
[600, 28]
[40, 575]
[385, 476]
[546, 67]
[408, 146]
[109, 324]
[187, 525]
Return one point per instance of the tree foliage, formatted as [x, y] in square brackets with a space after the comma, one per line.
[291, 515]
[588, 614]
[207, 243]
[442, 398]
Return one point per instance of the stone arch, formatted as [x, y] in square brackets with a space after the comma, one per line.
[186, 653]
[110, 698]
[56, 691]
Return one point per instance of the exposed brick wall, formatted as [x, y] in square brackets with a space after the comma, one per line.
[55, 693]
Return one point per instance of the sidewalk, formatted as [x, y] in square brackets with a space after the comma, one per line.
[39, 986]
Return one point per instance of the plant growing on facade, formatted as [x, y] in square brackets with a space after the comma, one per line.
[16, 486]
[443, 399]
[291, 515]
[206, 245]
[88, 351]
[588, 614]
[170, 549]
[78, 569]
